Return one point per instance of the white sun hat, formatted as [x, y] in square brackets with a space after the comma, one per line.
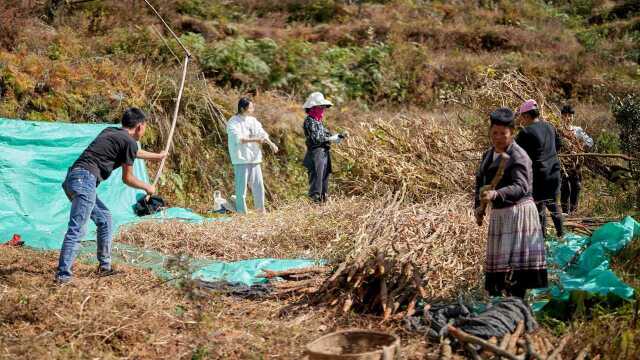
[316, 99]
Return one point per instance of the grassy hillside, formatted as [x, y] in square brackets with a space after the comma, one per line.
[413, 82]
[86, 62]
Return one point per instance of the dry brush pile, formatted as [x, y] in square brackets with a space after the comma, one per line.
[401, 254]
[418, 154]
[299, 229]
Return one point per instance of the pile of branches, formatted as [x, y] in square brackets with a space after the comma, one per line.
[300, 280]
[403, 253]
[420, 154]
[516, 346]
[586, 225]
[376, 285]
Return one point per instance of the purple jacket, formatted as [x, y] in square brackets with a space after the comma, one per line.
[516, 183]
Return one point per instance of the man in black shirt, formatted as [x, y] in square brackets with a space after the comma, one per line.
[112, 148]
[541, 142]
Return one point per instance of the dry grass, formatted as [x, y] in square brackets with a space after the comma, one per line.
[298, 230]
[419, 154]
[131, 316]
[439, 236]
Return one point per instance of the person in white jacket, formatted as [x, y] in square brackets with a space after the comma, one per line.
[245, 137]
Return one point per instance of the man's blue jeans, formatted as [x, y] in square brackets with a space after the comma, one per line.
[80, 187]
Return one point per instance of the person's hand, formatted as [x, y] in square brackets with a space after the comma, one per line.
[479, 214]
[162, 155]
[150, 189]
[489, 195]
[274, 148]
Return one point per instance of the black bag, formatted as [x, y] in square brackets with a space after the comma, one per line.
[149, 206]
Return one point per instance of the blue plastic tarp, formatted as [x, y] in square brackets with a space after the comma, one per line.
[34, 158]
[582, 263]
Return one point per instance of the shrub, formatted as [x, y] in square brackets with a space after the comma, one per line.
[316, 11]
[627, 114]
[205, 9]
[240, 62]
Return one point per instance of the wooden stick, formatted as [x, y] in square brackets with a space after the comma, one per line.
[620, 156]
[531, 351]
[445, 350]
[472, 352]
[306, 270]
[515, 336]
[466, 338]
[505, 341]
[175, 119]
[492, 185]
[559, 349]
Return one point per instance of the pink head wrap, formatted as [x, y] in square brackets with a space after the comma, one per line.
[527, 106]
[317, 112]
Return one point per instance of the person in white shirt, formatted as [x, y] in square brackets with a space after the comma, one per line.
[245, 137]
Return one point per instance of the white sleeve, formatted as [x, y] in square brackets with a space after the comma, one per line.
[259, 130]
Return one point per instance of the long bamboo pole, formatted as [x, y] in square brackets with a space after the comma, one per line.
[175, 118]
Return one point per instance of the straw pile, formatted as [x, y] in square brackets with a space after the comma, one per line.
[422, 155]
[510, 90]
[296, 230]
[401, 254]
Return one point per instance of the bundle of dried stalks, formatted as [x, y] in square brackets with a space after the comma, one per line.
[299, 229]
[401, 254]
[515, 346]
[510, 90]
[420, 154]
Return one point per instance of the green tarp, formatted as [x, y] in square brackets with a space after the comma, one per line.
[34, 158]
[582, 263]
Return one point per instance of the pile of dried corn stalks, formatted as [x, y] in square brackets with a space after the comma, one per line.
[401, 253]
[421, 155]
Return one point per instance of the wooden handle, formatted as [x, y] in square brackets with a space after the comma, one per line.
[175, 119]
[492, 185]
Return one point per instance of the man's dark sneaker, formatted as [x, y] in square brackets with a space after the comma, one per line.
[107, 272]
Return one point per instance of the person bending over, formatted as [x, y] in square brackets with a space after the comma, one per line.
[114, 147]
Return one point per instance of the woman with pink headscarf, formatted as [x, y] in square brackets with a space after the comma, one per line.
[541, 142]
[317, 160]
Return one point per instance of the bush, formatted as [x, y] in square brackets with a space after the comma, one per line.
[205, 9]
[315, 11]
[627, 114]
[607, 142]
[240, 62]
[298, 66]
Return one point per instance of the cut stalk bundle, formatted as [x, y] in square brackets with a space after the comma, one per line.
[421, 155]
[516, 346]
[401, 254]
[510, 90]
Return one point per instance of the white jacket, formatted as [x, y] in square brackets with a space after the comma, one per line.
[243, 127]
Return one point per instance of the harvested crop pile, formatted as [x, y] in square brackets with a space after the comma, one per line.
[419, 154]
[300, 229]
[401, 254]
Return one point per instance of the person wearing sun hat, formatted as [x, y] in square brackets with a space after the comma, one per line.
[317, 159]
[541, 142]
[515, 254]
